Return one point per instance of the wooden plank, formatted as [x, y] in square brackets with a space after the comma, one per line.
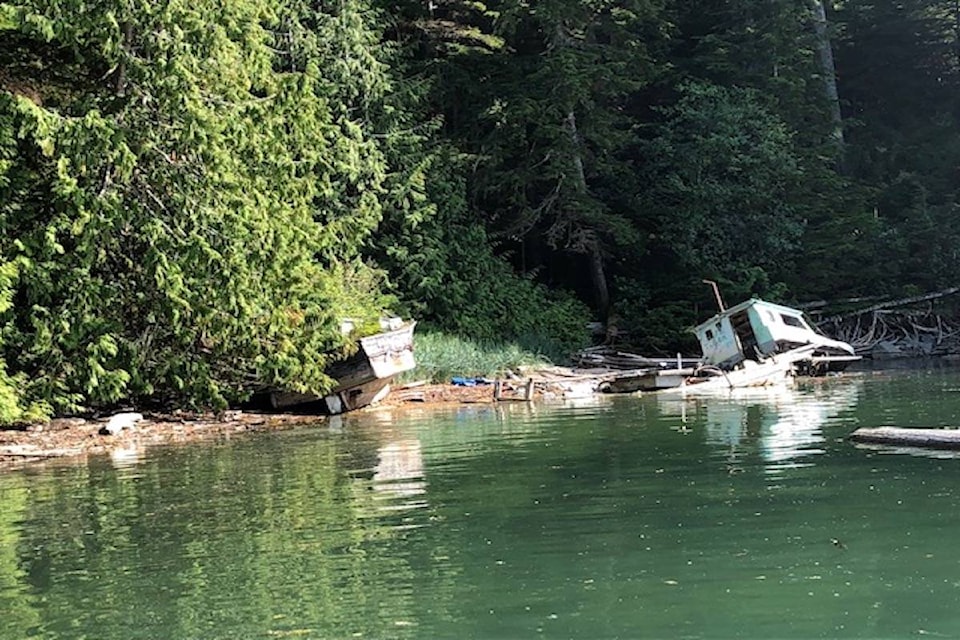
[930, 438]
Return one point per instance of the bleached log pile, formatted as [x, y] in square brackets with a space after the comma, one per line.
[908, 327]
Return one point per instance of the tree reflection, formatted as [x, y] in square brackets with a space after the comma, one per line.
[20, 618]
[270, 536]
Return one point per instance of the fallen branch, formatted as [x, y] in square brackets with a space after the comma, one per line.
[895, 303]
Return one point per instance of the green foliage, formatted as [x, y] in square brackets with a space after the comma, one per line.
[444, 267]
[767, 46]
[720, 172]
[556, 135]
[923, 235]
[655, 326]
[441, 356]
[193, 194]
[192, 231]
[14, 406]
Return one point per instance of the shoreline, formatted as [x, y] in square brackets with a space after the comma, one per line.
[74, 439]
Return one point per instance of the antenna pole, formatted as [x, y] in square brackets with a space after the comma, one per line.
[716, 293]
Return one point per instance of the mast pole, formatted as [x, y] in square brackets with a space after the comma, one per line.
[716, 294]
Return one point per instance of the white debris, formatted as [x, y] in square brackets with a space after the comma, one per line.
[119, 422]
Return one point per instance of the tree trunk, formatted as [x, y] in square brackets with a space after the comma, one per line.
[591, 247]
[898, 303]
[598, 277]
[120, 86]
[956, 32]
[579, 174]
[829, 72]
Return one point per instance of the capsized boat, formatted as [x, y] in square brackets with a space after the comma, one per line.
[755, 330]
[758, 343]
[772, 370]
[364, 378]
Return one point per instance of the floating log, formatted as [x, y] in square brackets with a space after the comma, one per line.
[930, 438]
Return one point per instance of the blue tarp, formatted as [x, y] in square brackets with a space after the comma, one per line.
[468, 382]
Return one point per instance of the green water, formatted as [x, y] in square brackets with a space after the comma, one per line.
[615, 517]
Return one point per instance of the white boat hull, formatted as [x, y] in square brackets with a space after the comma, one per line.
[775, 370]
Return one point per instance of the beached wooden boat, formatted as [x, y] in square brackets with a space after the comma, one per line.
[757, 343]
[364, 378]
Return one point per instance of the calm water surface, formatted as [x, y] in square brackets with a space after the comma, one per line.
[747, 516]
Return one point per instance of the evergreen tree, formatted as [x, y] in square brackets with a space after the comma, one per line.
[898, 69]
[435, 240]
[555, 175]
[186, 201]
[720, 173]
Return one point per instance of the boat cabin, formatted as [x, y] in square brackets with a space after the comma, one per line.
[755, 329]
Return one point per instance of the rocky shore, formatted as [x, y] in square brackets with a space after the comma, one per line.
[79, 437]
[73, 438]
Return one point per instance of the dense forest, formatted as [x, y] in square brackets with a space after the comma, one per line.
[193, 194]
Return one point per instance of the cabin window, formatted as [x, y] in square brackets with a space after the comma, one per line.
[792, 321]
[709, 334]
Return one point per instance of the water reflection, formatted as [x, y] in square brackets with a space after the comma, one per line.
[509, 521]
[398, 474]
[20, 617]
[127, 456]
[784, 424]
[469, 430]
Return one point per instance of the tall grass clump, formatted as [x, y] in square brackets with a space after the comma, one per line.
[442, 356]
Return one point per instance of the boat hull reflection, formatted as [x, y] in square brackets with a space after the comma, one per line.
[783, 424]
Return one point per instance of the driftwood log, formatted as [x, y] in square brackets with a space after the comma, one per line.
[897, 436]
